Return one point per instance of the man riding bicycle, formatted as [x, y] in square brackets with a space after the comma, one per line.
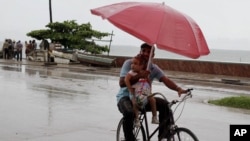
[124, 103]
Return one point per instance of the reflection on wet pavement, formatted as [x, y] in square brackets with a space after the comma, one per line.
[57, 90]
[10, 68]
[48, 104]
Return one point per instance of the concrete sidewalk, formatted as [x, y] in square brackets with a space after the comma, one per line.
[241, 82]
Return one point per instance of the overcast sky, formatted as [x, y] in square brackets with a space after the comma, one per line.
[224, 23]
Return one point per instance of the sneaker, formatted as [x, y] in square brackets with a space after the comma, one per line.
[137, 123]
[155, 120]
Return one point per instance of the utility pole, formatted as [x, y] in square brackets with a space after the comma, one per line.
[50, 11]
[110, 41]
[51, 21]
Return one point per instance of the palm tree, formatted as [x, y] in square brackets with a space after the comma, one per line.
[50, 11]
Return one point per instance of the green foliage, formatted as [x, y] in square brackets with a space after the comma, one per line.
[236, 102]
[40, 34]
[72, 36]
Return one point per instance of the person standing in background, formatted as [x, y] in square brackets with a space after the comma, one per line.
[5, 49]
[19, 50]
[11, 50]
[34, 44]
[15, 51]
[44, 45]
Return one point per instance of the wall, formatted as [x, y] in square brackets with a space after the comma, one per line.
[218, 68]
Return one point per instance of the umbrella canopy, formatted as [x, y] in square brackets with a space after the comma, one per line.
[157, 24]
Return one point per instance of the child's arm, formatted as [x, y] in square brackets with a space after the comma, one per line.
[128, 84]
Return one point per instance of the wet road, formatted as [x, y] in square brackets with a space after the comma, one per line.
[59, 104]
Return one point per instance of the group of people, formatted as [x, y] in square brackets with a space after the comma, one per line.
[30, 46]
[135, 87]
[12, 49]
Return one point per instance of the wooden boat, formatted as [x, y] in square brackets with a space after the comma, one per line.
[95, 60]
[69, 56]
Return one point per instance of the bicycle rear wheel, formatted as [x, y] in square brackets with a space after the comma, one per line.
[138, 132]
[183, 134]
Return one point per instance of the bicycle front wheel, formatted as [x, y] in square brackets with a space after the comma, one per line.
[139, 133]
[183, 134]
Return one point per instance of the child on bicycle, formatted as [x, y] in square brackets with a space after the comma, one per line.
[140, 91]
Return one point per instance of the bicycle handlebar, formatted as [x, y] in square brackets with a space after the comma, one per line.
[187, 95]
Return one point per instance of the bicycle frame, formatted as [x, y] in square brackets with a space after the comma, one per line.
[172, 125]
[143, 118]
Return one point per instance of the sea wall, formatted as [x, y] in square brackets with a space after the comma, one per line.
[218, 68]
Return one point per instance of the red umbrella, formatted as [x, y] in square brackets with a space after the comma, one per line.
[157, 24]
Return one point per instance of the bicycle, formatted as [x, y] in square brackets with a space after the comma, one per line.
[173, 132]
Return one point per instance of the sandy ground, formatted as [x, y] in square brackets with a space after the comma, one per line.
[64, 102]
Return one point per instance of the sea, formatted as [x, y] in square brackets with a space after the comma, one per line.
[215, 55]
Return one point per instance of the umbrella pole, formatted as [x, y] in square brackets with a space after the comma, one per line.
[150, 57]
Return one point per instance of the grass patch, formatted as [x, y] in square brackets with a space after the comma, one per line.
[236, 102]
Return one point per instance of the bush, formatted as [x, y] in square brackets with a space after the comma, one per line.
[236, 102]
